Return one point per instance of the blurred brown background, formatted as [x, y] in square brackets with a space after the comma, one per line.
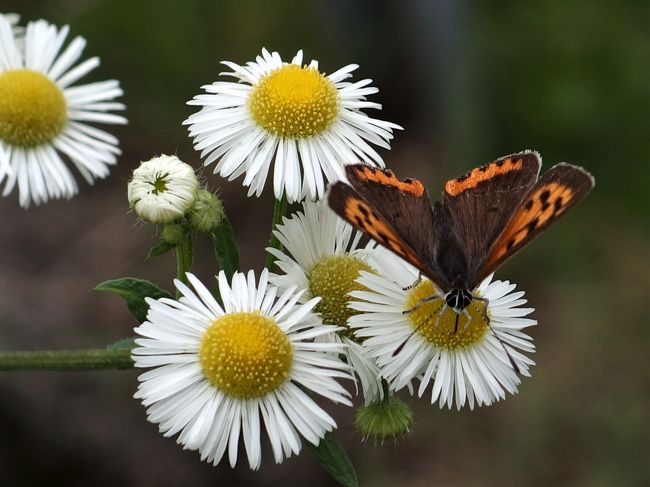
[469, 81]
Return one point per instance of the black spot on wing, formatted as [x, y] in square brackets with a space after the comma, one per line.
[544, 196]
[528, 205]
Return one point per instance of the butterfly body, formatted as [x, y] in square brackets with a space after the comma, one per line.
[484, 217]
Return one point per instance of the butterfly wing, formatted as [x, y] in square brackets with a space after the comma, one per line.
[396, 213]
[558, 189]
[481, 203]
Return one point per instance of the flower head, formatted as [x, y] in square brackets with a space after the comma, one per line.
[220, 372]
[43, 116]
[162, 189]
[473, 361]
[308, 122]
[322, 255]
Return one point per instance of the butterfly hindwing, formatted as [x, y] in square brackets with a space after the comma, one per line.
[361, 214]
[557, 190]
[482, 201]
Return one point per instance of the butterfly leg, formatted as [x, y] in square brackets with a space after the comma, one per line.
[442, 312]
[420, 303]
[469, 319]
[415, 283]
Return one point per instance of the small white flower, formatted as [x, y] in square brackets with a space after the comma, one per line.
[223, 372]
[322, 255]
[162, 189]
[467, 362]
[306, 121]
[42, 115]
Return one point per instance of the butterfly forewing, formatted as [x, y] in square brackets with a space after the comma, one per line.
[557, 190]
[404, 204]
[482, 202]
[361, 214]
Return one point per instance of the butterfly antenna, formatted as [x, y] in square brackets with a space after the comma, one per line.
[485, 302]
[505, 349]
[414, 284]
[430, 298]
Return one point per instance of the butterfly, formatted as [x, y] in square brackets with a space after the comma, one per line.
[484, 217]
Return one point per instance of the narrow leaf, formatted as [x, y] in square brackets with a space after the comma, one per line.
[225, 248]
[133, 291]
[333, 458]
[124, 343]
[159, 249]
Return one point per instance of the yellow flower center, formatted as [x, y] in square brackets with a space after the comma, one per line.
[294, 101]
[245, 355]
[332, 278]
[32, 108]
[449, 331]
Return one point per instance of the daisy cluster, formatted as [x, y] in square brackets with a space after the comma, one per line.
[261, 351]
[335, 308]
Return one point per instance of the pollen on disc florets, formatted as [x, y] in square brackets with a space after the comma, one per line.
[332, 279]
[245, 355]
[32, 108]
[294, 101]
[443, 332]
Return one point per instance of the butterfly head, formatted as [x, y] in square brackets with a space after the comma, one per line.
[458, 299]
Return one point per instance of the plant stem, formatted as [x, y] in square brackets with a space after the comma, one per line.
[92, 359]
[279, 208]
[183, 258]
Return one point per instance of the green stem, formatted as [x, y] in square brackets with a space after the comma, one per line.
[183, 258]
[92, 359]
[386, 389]
[279, 208]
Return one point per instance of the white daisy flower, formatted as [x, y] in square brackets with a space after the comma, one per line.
[163, 189]
[473, 363]
[309, 122]
[223, 372]
[42, 115]
[322, 255]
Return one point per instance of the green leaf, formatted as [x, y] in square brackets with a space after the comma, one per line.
[335, 461]
[225, 247]
[160, 248]
[134, 291]
[124, 343]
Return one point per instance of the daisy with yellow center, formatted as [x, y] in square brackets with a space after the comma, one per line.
[221, 372]
[310, 124]
[42, 116]
[322, 255]
[468, 361]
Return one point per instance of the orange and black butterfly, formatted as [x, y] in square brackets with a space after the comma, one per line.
[485, 216]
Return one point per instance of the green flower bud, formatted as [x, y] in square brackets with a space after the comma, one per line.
[173, 233]
[385, 419]
[207, 212]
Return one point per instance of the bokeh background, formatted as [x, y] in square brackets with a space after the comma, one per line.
[469, 81]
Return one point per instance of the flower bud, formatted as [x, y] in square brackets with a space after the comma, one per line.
[385, 419]
[207, 212]
[173, 233]
[162, 189]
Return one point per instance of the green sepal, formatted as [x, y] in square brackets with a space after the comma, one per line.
[159, 249]
[225, 248]
[333, 458]
[134, 291]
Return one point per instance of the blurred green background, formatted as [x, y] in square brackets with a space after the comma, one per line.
[469, 81]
